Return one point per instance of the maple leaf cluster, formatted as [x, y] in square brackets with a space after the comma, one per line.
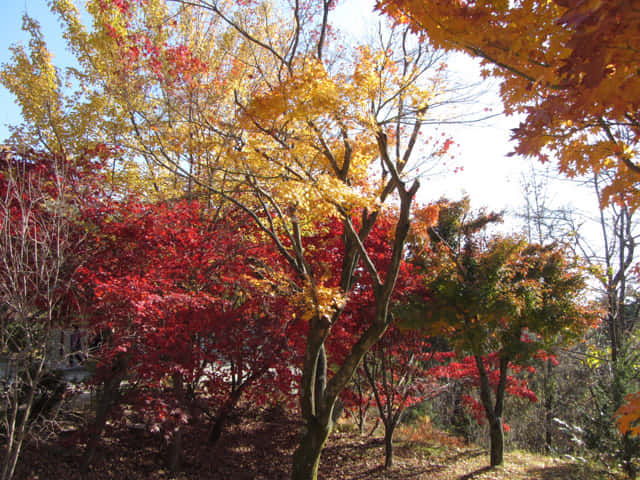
[573, 76]
[186, 297]
[628, 415]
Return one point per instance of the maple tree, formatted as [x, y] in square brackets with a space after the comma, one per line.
[190, 301]
[357, 400]
[396, 373]
[499, 299]
[393, 368]
[464, 370]
[571, 77]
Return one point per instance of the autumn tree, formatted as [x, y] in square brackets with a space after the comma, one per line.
[566, 76]
[498, 298]
[396, 373]
[357, 400]
[191, 305]
[463, 372]
[390, 377]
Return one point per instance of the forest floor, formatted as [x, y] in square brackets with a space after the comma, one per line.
[258, 445]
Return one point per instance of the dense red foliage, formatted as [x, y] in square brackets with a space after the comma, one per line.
[194, 302]
[466, 371]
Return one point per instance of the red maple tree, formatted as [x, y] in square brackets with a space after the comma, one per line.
[193, 314]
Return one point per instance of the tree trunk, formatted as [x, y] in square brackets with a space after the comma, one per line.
[548, 406]
[629, 452]
[175, 451]
[497, 442]
[175, 448]
[225, 411]
[306, 458]
[317, 426]
[107, 398]
[338, 410]
[318, 394]
[375, 426]
[493, 410]
[388, 446]
[361, 419]
[221, 419]
[218, 426]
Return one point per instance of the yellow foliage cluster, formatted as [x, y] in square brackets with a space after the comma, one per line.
[309, 93]
[320, 300]
[305, 136]
[306, 127]
[35, 83]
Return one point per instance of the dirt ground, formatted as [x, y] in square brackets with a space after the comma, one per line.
[258, 445]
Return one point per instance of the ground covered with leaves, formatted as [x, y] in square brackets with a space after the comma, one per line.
[258, 444]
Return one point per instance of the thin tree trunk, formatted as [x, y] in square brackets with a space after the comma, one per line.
[107, 398]
[629, 452]
[548, 406]
[223, 416]
[388, 445]
[385, 411]
[494, 410]
[175, 452]
[497, 442]
[225, 411]
[375, 426]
